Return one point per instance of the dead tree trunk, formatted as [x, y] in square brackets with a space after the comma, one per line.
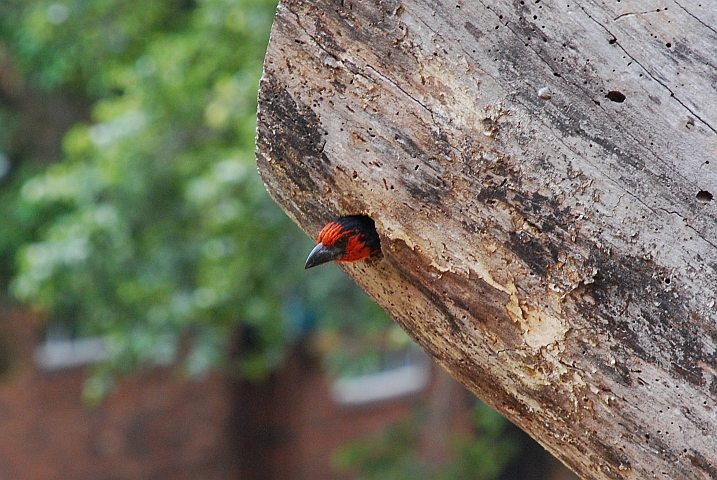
[541, 174]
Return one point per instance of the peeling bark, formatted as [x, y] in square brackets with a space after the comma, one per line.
[541, 175]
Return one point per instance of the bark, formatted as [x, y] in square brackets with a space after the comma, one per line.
[541, 175]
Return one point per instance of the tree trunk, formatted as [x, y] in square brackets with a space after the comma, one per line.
[541, 175]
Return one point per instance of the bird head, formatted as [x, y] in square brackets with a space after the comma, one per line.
[345, 239]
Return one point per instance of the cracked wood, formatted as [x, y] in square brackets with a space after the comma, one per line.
[541, 174]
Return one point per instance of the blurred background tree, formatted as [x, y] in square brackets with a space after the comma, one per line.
[132, 209]
[154, 230]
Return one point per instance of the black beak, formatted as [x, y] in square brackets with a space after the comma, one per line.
[321, 254]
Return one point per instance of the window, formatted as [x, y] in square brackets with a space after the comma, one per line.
[61, 349]
[401, 376]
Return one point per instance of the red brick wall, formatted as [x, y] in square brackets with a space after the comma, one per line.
[155, 425]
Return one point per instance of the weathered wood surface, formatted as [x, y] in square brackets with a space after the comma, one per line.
[544, 241]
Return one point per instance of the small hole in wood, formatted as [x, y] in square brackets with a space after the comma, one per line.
[615, 96]
[704, 196]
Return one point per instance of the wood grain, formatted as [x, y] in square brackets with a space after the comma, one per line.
[541, 174]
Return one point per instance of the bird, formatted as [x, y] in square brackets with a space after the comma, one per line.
[346, 239]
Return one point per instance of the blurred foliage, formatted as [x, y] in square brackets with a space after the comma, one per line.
[155, 230]
[394, 453]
